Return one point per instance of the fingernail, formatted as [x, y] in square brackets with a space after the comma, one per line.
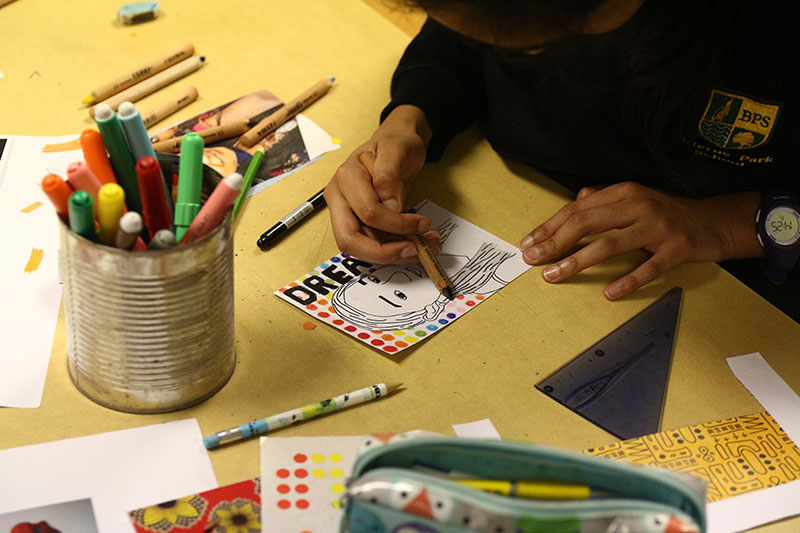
[532, 253]
[423, 226]
[408, 252]
[552, 272]
[392, 204]
[527, 242]
[613, 291]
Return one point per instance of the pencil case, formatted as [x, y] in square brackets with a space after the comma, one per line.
[453, 485]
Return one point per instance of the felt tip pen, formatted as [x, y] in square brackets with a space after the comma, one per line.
[130, 226]
[120, 155]
[274, 233]
[250, 173]
[219, 201]
[110, 208]
[138, 140]
[81, 215]
[59, 192]
[164, 239]
[532, 489]
[155, 209]
[82, 178]
[190, 182]
[94, 153]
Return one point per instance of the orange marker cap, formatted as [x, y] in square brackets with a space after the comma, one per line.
[94, 152]
[58, 191]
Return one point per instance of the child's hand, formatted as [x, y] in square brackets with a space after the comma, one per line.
[366, 211]
[672, 228]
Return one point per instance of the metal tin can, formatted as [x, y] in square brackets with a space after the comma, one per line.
[150, 331]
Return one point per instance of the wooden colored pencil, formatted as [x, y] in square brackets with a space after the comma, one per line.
[153, 83]
[122, 82]
[424, 253]
[217, 133]
[286, 112]
[177, 102]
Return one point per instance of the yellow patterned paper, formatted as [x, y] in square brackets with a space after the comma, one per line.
[734, 456]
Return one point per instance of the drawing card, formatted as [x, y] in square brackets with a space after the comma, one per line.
[63, 517]
[303, 478]
[292, 145]
[232, 508]
[392, 307]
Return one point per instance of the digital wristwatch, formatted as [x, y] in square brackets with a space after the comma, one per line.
[778, 230]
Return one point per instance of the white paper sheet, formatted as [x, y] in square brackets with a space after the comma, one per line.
[763, 506]
[67, 516]
[770, 390]
[480, 429]
[30, 296]
[118, 471]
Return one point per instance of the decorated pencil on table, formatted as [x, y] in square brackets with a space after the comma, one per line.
[265, 425]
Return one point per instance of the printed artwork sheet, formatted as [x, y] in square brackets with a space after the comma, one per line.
[232, 508]
[29, 280]
[294, 144]
[303, 478]
[733, 456]
[118, 471]
[392, 307]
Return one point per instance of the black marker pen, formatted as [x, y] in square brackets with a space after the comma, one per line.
[275, 232]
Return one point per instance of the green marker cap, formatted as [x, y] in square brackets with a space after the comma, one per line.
[190, 182]
[81, 214]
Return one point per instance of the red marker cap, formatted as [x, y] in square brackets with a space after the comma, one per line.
[155, 209]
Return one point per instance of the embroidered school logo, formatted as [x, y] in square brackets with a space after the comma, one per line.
[736, 122]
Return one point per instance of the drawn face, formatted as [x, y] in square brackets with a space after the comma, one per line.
[391, 290]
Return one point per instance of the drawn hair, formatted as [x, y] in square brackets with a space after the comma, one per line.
[476, 273]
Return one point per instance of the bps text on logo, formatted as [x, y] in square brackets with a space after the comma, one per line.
[737, 122]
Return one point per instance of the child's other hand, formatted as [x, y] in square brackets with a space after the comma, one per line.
[674, 229]
[367, 211]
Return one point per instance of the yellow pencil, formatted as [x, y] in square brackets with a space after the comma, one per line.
[153, 83]
[122, 82]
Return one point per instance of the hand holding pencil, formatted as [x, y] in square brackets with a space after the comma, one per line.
[425, 255]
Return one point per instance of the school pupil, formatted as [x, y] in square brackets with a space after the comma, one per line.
[672, 122]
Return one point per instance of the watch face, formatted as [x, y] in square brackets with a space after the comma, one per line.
[783, 225]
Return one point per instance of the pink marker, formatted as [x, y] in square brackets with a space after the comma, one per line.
[82, 178]
[213, 211]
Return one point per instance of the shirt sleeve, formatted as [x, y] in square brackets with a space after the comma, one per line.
[439, 73]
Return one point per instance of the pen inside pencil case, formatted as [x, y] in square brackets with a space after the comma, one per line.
[531, 489]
